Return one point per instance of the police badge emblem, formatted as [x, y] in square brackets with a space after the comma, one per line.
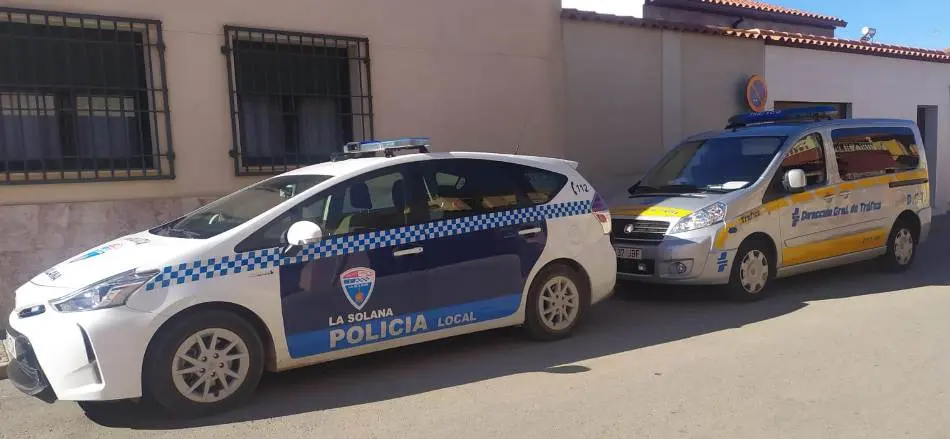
[358, 283]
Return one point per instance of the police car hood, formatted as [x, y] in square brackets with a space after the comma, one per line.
[667, 207]
[141, 250]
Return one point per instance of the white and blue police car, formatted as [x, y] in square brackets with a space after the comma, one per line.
[355, 255]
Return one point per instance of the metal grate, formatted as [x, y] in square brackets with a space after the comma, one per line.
[82, 98]
[632, 230]
[296, 98]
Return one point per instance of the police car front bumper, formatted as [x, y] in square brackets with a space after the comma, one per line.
[24, 371]
[686, 258]
[79, 356]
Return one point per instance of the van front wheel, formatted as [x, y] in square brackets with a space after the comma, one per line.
[751, 272]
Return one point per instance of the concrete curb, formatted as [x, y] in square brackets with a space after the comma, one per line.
[4, 360]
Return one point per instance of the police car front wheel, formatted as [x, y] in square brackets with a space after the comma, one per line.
[556, 303]
[204, 363]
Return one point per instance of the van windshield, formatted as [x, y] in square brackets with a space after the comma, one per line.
[239, 207]
[715, 165]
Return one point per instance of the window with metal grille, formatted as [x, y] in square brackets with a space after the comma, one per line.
[296, 98]
[82, 98]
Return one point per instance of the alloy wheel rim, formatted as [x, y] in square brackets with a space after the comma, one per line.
[210, 365]
[754, 271]
[559, 303]
[903, 246]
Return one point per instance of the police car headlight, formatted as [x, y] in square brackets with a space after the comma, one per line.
[704, 217]
[107, 293]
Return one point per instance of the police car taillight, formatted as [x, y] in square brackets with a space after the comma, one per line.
[601, 212]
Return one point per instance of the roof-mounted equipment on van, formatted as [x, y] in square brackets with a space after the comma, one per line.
[370, 148]
[826, 112]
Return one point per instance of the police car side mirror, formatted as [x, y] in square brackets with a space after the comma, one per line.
[302, 233]
[794, 180]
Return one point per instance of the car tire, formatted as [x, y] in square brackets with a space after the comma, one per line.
[752, 271]
[557, 303]
[228, 358]
[901, 247]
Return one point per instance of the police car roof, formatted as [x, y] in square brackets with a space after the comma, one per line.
[793, 129]
[356, 166]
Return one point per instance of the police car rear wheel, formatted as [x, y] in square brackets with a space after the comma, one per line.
[556, 303]
[206, 363]
[751, 273]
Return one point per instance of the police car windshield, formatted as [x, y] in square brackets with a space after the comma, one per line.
[235, 209]
[716, 165]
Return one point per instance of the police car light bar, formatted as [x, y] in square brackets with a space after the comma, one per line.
[817, 113]
[388, 147]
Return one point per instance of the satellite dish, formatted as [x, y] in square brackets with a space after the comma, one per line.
[867, 33]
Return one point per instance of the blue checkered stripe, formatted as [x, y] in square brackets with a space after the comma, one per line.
[268, 258]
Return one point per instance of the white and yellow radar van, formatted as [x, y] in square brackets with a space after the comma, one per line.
[775, 194]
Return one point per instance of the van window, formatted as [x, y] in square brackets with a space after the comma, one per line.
[874, 151]
[714, 165]
[806, 154]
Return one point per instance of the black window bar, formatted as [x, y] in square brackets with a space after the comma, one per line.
[82, 98]
[296, 98]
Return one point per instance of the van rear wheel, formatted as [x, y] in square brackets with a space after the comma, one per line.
[901, 247]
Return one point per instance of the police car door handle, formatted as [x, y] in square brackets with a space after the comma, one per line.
[529, 231]
[829, 198]
[408, 251]
[844, 194]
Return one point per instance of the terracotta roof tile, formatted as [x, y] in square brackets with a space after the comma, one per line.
[770, 37]
[765, 7]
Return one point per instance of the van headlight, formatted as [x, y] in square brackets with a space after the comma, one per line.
[107, 293]
[705, 217]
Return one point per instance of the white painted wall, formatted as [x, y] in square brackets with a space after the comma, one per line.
[876, 87]
[628, 8]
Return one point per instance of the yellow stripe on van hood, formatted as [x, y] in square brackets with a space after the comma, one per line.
[660, 211]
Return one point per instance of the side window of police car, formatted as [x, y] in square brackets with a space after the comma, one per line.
[807, 154]
[377, 201]
[457, 188]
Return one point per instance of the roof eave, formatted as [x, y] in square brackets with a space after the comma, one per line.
[805, 18]
[769, 37]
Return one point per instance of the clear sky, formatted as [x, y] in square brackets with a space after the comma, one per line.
[918, 23]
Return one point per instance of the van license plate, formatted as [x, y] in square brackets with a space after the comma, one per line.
[629, 253]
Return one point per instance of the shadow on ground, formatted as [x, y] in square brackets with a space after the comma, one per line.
[631, 320]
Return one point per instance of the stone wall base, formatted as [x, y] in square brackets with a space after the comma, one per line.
[34, 237]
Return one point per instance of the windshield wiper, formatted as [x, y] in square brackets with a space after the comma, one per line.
[632, 190]
[681, 187]
[181, 233]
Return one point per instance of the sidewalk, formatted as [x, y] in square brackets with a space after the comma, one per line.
[3, 363]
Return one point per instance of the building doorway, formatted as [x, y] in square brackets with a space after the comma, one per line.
[927, 122]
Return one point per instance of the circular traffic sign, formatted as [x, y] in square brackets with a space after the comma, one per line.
[756, 93]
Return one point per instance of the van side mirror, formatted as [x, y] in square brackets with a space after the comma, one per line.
[302, 233]
[794, 181]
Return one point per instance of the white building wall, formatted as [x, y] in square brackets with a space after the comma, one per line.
[875, 86]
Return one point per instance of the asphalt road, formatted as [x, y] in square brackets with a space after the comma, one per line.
[839, 354]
